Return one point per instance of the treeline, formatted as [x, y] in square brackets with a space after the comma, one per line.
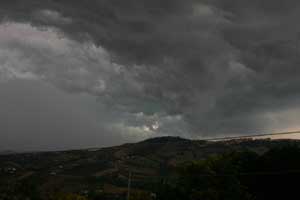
[237, 176]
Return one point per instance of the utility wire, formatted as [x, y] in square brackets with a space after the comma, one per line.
[252, 136]
[260, 173]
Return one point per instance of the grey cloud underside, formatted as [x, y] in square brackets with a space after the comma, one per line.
[36, 116]
[217, 66]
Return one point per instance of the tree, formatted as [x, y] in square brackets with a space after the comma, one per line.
[215, 178]
[68, 196]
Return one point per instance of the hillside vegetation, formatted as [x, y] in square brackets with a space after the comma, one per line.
[162, 168]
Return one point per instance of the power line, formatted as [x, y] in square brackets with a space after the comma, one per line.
[251, 136]
[259, 173]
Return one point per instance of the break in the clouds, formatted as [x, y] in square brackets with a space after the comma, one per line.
[194, 68]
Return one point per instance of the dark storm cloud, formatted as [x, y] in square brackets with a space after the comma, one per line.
[173, 67]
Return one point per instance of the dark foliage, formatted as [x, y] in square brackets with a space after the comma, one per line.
[238, 175]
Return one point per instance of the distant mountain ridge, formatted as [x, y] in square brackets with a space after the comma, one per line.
[7, 152]
[164, 139]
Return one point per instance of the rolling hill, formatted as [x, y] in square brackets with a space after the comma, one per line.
[106, 170]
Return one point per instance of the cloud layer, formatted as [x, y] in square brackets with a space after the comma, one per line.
[189, 68]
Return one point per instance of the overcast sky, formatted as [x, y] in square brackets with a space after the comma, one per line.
[77, 73]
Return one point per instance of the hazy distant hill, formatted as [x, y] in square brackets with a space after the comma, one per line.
[7, 152]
